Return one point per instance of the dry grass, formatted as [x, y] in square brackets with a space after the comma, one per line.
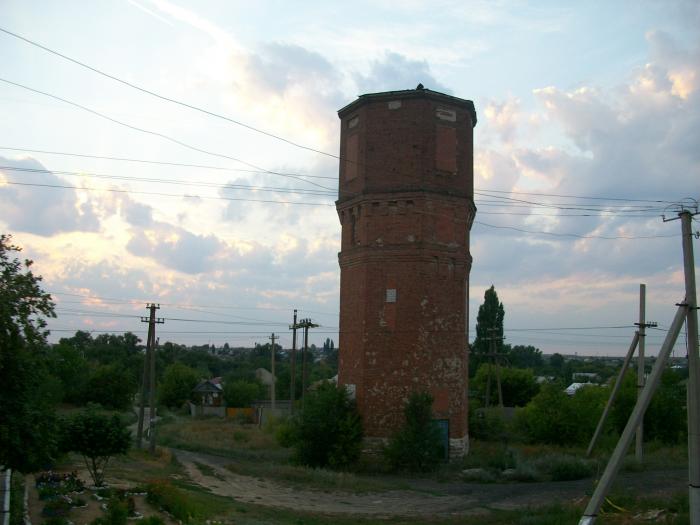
[224, 437]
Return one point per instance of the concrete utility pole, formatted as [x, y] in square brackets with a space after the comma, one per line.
[305, 324]
[272, 384]
[693, 369]
[293, 361]
[150, 365]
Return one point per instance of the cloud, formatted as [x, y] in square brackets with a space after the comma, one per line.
[42, 210]
[396, 72]
[175, 247]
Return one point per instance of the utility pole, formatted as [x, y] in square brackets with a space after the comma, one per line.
[687, 311]
[495, 356]
[643, 325]
[693, 368]
[150, 359]
[292, 364]
[305, 324]
[272, 384]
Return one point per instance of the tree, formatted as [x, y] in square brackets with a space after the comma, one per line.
[417, 446]
[97, 438]
[241, 393]
[491, 315]
[28, 426]
[328, 432]
[525, 357]
[176, 387]
[519, 386]
[111, 386]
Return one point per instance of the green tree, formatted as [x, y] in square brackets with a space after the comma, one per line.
[28, 426]
[525, 357]
[111, 386]
[240, 393]
[97, 438]
[491, 315]
[519, 386]
[328, 432]
[417, 446]
[176, 388]
[69, 366]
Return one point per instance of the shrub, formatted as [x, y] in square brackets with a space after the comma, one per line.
[518, 386]
[328, 432]
[241, 393]
[57, 507]
[488, 424]
[98, 437]
[163, 494]
[562, 467]
[152, 520]
[417, 447]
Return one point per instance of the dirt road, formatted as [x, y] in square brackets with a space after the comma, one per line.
[427, 498]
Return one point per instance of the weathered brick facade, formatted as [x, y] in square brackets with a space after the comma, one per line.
[406, 207]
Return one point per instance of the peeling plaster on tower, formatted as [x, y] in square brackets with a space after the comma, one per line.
[406, 205]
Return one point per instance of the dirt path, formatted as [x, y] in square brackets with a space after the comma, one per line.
[428, 498]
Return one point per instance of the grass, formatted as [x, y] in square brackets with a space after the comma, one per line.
[222, 437]
[17, 499]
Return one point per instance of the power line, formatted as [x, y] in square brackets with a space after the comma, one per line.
[169, 181]
[164, 163]
[575, 234]
[155, 133]
[162, 194]
[168, 99]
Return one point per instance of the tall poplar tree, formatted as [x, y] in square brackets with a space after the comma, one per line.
[490, 315]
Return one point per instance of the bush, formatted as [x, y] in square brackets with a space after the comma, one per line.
[518, 386]
[241, 393]
[555, 418]
[488, 424]
[417, 447]
[163, 494]
[98, 437]
[562, 467]
[328, 432]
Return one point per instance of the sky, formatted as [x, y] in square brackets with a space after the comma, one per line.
[122, 197]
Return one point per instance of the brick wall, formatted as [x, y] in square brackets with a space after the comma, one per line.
[405, 206]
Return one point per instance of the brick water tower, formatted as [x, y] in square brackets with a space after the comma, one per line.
[406, 205]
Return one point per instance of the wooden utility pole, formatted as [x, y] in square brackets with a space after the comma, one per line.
[305, 324]
[293, 361]
[149, 378]
[272, 384]
[494, 356]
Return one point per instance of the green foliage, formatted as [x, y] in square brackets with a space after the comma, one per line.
[488, 424]
[241, 393]
[666, 418]
[417, 447]
[28, 426]
[176, 388]
[152, 520]
[70, 367]
[491, 315]
[111, 386]
[163, 494]
[524, 356]
[97, 437]
[117, 513]
[328, 432]
[519, 386]
[556, 418]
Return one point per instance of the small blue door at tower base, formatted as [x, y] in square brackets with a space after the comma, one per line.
[444, 426]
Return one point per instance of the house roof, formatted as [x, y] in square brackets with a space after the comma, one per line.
[208, 385]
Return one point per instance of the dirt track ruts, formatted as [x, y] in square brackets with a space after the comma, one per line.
[428, 498]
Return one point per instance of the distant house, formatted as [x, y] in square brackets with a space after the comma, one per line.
[574, 387]
[209, 392]
[589, 377]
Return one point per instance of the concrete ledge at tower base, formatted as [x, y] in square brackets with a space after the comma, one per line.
[459, 447]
